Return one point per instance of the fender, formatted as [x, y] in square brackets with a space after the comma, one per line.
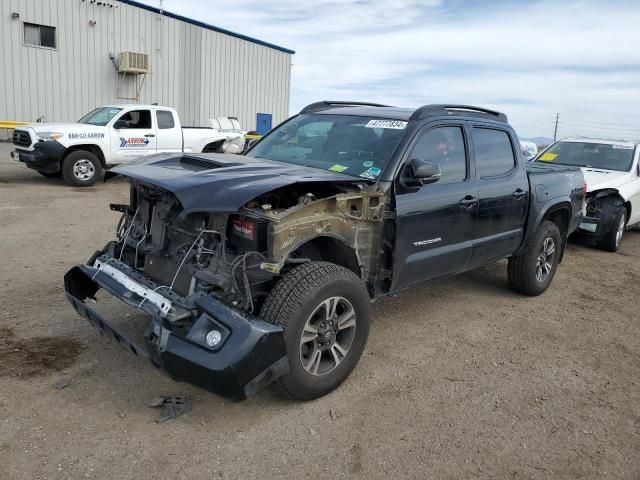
[605, 192]
[535, 219]
[90, 147]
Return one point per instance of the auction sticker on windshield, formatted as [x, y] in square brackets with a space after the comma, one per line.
[395, 124]
[548, 157]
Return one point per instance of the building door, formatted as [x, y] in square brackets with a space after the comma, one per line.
[263, 123]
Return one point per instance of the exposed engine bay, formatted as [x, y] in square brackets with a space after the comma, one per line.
[236, 257]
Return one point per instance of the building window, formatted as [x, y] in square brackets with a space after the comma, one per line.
[39, 35]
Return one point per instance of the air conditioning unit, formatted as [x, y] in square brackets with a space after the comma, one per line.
[130, 62]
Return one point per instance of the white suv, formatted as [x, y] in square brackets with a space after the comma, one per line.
[612, 173]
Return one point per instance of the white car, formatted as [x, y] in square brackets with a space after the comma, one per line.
[115, 134]
[612, 173]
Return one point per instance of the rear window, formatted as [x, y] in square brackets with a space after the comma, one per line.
[494, 152]
[165, 119]
[589, 154]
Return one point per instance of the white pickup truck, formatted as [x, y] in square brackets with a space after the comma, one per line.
[612, 171]
[112, 135]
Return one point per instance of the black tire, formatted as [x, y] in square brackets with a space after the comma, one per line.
[295, 301]
[81, 168]
[610, 241]
[57, 174]
[524, 273]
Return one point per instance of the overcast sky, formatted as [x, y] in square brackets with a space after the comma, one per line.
[530, 59]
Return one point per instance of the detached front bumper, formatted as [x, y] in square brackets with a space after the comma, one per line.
[250, 355]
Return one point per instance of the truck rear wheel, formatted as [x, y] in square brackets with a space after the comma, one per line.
[324, 310]
[532, 272]
[612, 240]
[81, 168]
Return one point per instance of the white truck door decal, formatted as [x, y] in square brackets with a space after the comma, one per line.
[136, 139]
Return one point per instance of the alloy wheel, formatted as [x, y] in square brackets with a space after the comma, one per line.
[327, 336]
[545, 259]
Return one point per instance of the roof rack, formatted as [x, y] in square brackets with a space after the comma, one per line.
[323, 105]
[429, 110]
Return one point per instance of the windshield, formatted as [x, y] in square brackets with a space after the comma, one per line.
[100, 116]
[589, 154]
[356, 146]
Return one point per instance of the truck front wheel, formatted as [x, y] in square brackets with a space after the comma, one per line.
[532, 272]
[81, 168]
[324, 312]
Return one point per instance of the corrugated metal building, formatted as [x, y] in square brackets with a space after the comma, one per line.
[56, 61]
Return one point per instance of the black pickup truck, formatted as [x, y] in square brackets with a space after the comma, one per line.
[261, 269]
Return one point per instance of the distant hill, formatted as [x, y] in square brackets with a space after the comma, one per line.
[539, 140]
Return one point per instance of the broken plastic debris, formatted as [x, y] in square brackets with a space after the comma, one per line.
[172, 406]
[60, 384]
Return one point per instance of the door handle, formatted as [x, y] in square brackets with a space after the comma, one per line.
[468, 201]
[518, 194]
[149, 135]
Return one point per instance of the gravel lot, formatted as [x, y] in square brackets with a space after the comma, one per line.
[460, 379]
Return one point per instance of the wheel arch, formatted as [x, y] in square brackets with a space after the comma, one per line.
[614, 194]
[560, 215]
[330, 248]
[557, 211]
[95, 149]
[213, 147]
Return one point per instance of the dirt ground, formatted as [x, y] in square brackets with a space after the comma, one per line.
[460, 379]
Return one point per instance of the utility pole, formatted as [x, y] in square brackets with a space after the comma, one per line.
[555, 131]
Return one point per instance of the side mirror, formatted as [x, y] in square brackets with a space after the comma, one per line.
[120, 124]
[425, 171]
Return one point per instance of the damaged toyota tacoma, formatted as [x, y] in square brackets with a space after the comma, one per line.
[261, 269]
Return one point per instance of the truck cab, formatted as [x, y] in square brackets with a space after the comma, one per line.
[112, 135]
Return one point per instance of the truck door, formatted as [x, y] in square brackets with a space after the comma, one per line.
[133, 134]
[435, 222]
[503, 189]
[169, 137]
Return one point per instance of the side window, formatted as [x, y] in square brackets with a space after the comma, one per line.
[445, 146]
[137, 119]
[494, 153]
[165, 119]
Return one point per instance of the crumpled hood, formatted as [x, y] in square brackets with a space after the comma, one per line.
[220, 182]
[600, 179]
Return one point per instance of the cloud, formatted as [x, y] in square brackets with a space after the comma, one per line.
[530, 59]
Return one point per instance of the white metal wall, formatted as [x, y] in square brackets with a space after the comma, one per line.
[200, 72]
